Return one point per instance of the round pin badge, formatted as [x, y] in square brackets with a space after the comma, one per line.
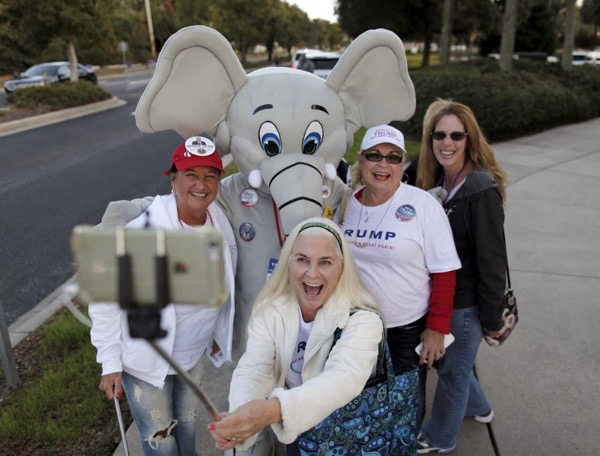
[247, 231]
[200, 146]
[405, 212]
[326, 191]
[249, 197]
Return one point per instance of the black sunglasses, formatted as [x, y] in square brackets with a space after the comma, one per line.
[392, 159]
[454, 136]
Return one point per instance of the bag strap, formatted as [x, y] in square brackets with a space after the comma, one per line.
[507, 269]
[384, 358]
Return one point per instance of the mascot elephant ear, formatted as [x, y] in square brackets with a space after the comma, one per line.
[197, 75]
[371, 78]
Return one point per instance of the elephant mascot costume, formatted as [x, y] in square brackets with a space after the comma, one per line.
[285, 129]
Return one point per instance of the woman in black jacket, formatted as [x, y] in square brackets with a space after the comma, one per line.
[456, 157]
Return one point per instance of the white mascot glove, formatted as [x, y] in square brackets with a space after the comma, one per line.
[439, 194]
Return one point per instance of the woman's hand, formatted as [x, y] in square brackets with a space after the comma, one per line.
[433, 347]
[244, 422]
[111, 383]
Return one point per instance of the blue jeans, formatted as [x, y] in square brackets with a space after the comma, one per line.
[458, 393]
[402, 341]
[165, 417]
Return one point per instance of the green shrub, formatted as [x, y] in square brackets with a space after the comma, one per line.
[58, 96]
[534, 97]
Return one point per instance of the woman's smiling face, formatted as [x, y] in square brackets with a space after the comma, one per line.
[449, 153]
[315, 269]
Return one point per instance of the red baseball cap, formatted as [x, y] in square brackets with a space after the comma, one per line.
[196, 151]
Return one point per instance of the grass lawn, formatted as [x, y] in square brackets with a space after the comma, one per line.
[58, 408]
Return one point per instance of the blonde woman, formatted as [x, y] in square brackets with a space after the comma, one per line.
[289, 359]
[456, 157]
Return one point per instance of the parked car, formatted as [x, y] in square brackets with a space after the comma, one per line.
[579, 58]
[299, 53]
[54, 72]
[593, 58]
[323, 61]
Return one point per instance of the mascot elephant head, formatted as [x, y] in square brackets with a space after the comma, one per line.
[286, 129]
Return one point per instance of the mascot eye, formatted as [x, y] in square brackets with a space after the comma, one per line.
[269, 139]
[312, 138]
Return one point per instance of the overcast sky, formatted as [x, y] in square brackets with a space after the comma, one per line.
[322, 9]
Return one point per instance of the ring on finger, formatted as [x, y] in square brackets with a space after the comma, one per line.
[233, 439]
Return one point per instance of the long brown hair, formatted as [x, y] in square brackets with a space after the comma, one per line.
[477, 148]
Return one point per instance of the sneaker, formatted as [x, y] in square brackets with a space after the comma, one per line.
[486, 418]
[424, 447]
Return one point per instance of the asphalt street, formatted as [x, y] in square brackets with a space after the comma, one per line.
[55, 177]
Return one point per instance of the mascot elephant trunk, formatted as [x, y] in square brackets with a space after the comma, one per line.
[295, 182]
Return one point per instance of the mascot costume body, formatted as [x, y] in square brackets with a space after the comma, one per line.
[286, 130]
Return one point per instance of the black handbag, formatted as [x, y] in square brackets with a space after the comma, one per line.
[380, 421]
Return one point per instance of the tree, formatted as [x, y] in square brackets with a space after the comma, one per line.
[294, 23]
[417, 19]
[567, 57]
[446, 34]
[590, 14]
[40, 27]
[538, 27]
[242, 22]
[509, 26]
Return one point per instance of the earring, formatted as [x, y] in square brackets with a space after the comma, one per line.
[173, 192]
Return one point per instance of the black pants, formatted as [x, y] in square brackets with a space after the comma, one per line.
[402, 341]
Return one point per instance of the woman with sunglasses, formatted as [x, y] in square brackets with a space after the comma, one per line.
[456, 157]
[403, 247]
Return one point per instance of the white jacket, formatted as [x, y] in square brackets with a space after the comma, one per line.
[331, 377]
[117, 351]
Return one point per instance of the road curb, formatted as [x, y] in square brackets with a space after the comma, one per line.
[28, 123]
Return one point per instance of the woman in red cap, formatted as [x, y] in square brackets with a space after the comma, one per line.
[162, 405]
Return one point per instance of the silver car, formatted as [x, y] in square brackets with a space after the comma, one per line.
[48, 73]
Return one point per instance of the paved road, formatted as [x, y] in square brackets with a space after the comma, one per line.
[56, 177]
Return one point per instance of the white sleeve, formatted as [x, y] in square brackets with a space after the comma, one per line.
[106, 335]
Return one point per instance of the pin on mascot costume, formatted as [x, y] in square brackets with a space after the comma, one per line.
[286, 130]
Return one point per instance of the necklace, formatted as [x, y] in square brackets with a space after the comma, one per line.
[362, 205]
[209, 219]
[449, 188]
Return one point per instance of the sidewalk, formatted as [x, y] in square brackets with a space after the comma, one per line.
[543, 382]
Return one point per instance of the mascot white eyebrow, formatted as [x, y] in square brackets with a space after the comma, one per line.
[286, 130]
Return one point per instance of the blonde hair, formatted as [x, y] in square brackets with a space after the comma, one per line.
[477, 148]
[349, 288]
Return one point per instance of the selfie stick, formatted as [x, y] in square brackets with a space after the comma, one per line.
[145, 322]
[121, 427]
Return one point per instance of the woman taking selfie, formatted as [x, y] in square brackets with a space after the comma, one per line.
[162, 404]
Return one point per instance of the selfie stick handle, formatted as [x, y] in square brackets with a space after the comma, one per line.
[208, 404]
[121, 426]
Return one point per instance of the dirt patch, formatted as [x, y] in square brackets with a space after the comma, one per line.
[11, 113]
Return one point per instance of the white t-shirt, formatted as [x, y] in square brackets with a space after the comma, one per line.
[396, 246]
[193, 334]
[294, 376]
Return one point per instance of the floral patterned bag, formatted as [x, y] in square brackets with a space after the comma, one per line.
[380, 421]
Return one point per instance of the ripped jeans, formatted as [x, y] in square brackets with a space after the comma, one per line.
[166, 418]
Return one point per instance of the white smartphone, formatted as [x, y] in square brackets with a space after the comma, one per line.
[194, 264]
[448, 339]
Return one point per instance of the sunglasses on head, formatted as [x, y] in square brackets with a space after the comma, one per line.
[454, 136]
[392, 159]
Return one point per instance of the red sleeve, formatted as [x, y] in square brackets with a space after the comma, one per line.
[441, 301]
